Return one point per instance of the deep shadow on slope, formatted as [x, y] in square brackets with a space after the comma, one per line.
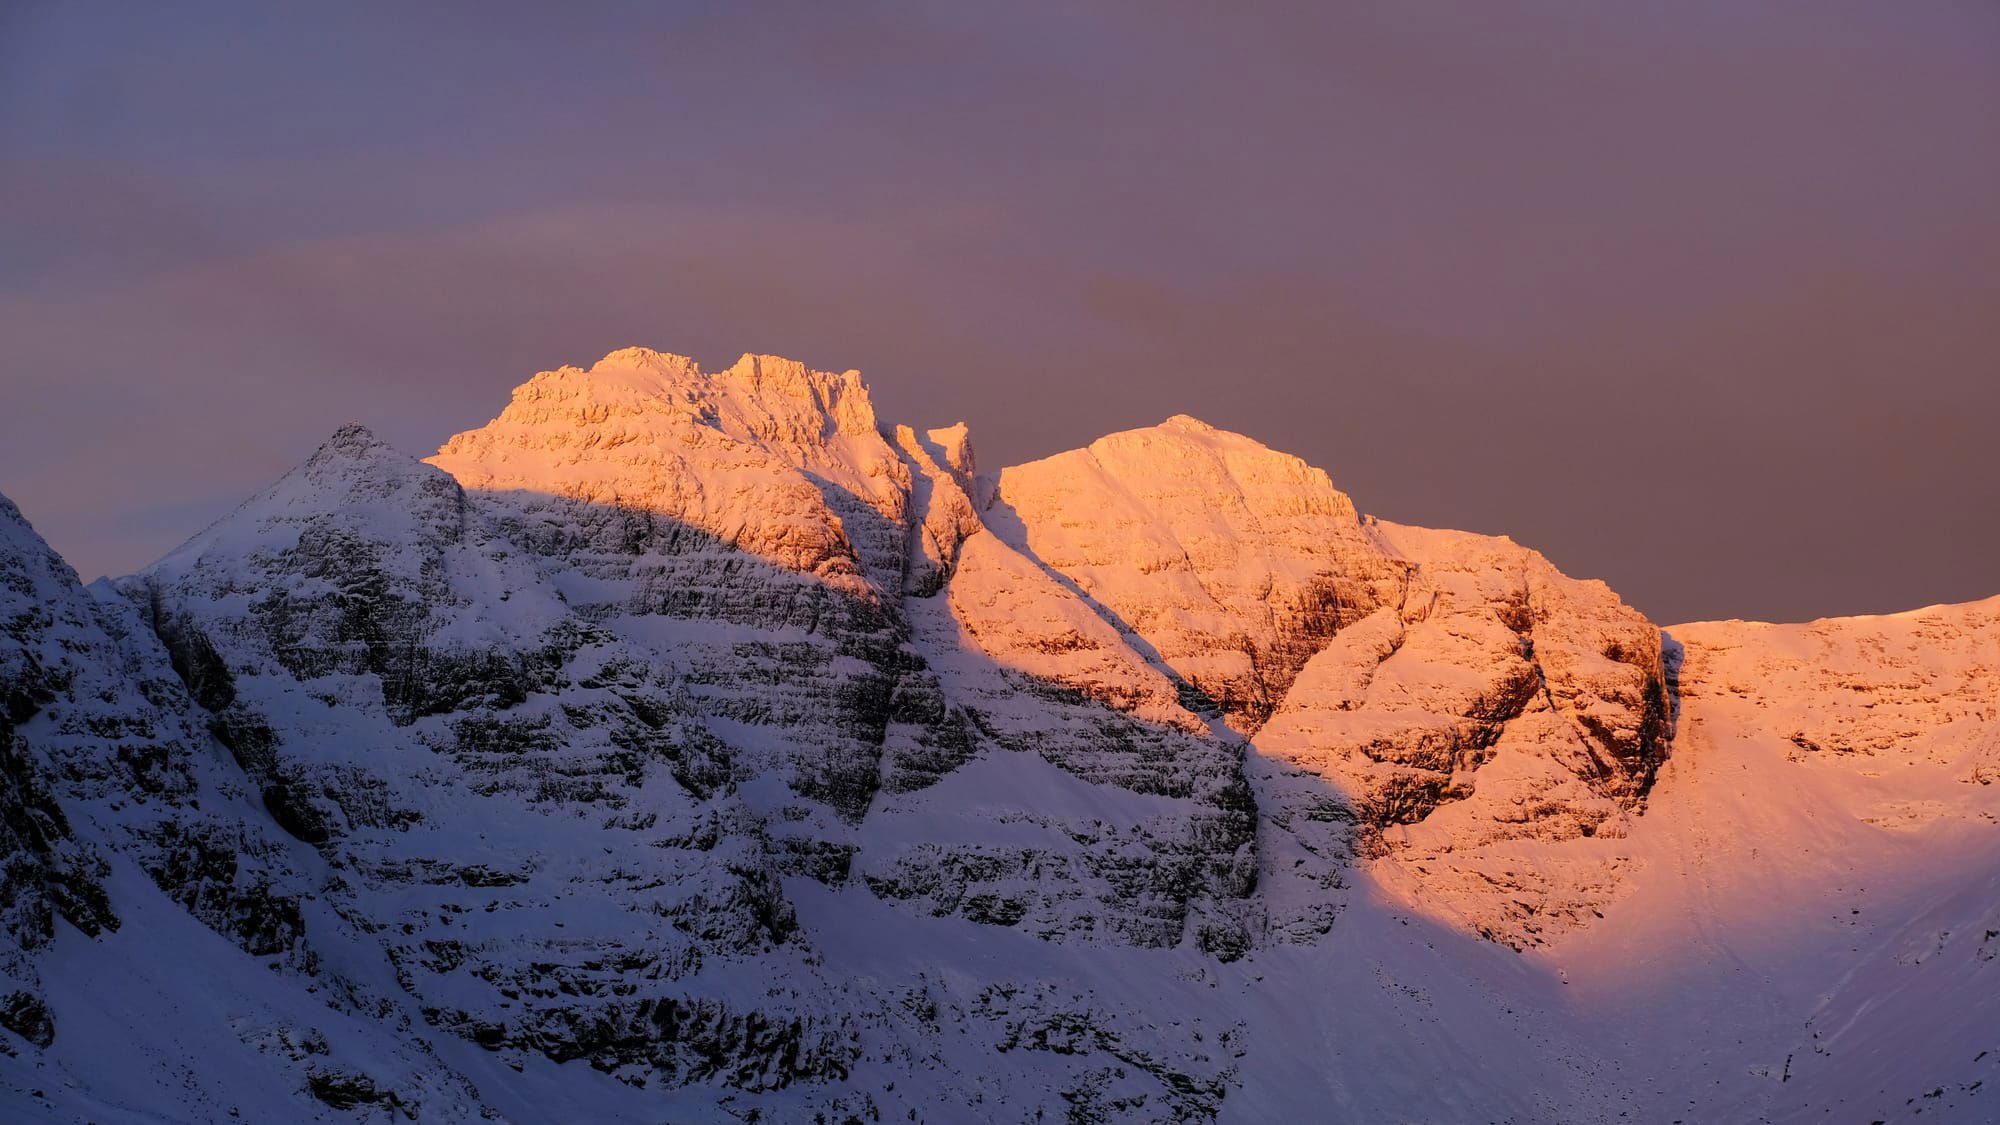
[357, 617]
[1420, 758]
[1161, 877]
[956, 890]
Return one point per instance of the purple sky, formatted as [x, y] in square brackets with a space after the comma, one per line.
[1700, 298]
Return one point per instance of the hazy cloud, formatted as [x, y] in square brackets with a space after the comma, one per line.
[1699, 299]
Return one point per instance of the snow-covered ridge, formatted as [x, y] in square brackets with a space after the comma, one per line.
[686, 743]
[1918, 686]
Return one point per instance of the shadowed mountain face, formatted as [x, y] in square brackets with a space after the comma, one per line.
[694, 744]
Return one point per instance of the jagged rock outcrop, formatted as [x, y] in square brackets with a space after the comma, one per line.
[688, 739]
[460, 743]
[557, 750]
[1408, 691]
[137, 847]
[801, 569]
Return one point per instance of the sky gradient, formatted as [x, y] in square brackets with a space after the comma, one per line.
[1702, 298]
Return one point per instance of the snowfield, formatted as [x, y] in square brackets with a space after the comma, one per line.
[694, 746]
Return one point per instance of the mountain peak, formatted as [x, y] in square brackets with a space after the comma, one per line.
[955, 443]
[705, 713]
[757, 368]
[760, 365]
[646, 359]
[355, 457]
[350, 440]
[743, 453]
[354, 451]
[644, 379]
[353, 478]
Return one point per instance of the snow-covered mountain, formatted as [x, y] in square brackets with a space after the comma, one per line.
[690, 746]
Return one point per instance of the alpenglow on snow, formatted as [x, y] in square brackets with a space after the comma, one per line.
[694, 746]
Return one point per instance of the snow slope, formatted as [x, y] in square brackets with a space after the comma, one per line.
[1822, 870]
[691, 745]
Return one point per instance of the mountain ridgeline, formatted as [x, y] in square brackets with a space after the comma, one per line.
[695, 746]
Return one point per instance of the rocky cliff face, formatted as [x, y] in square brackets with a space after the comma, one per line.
[49, 871]
[700, 735]
[133, 827]
[1404, 690]
[802, 574]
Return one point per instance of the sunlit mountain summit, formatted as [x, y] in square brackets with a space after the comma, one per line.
[690, 745]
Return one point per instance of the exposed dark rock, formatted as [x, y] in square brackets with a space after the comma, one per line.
[24, 1014]
[201, 865]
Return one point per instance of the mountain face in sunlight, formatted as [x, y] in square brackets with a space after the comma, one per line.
[696, 746]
